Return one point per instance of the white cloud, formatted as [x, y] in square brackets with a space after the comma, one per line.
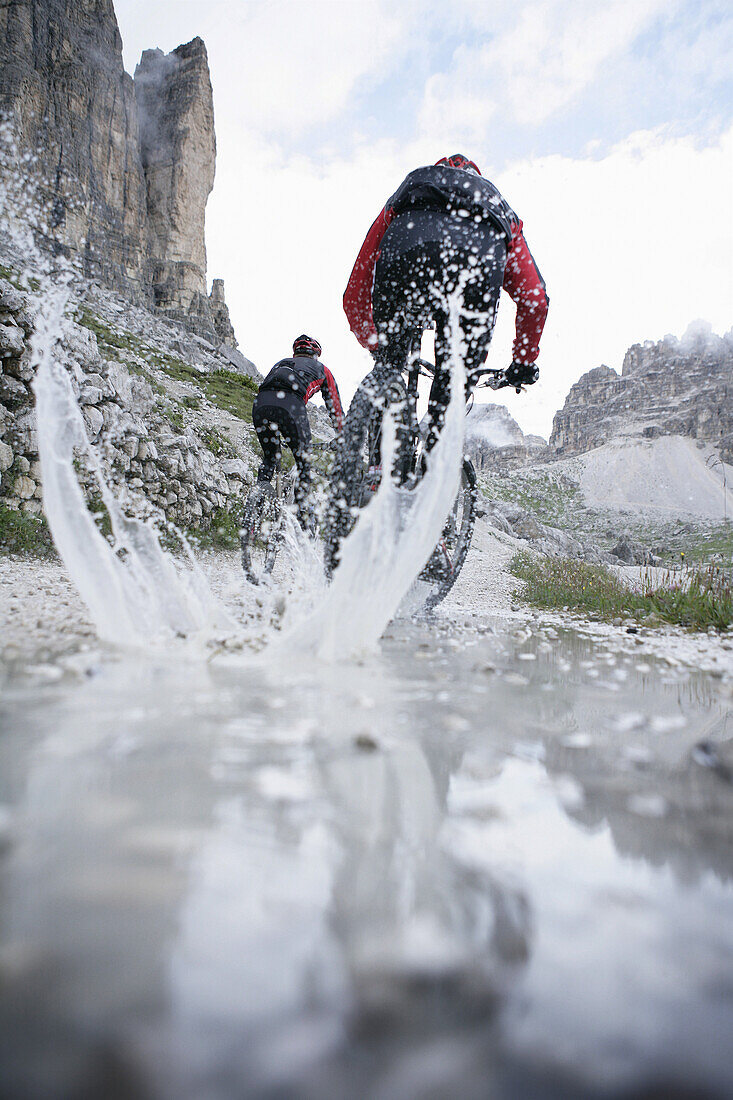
[303, 60]
[452, 114]
[633, 244]
[278, 65]
[533, 66]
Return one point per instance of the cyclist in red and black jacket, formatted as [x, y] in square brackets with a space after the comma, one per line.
[445, 226]
[279, 414]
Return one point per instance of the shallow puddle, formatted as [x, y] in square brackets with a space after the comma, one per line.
[485, 863]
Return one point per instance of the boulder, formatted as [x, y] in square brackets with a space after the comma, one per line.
[24, 487]
[13, 392]
[234, 467]
[93, 420]
[12, 340]
[11, 299]
[90, 395]
[6, 457]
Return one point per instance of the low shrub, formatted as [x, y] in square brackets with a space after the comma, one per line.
[222, 531]
[696, 597]
[24, 534]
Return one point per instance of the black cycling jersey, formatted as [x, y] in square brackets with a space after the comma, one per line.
[462, 195]
[304, 376]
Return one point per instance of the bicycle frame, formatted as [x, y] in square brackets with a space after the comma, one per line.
[417, 367]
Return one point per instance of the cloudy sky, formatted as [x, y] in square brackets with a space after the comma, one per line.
[609, 128]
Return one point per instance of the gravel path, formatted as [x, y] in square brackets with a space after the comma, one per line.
[42, 615]
[485, 585]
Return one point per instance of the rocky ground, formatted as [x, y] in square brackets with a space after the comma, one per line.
[42, 615]
[659, 501]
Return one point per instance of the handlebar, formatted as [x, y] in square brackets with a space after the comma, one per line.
[495, 380]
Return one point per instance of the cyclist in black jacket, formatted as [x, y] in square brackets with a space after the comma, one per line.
[279, 414]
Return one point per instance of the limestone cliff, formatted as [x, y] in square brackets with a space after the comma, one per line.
[220, 314]
[73, 112]
[116, 173]
[494, 440]
[674, 387]
[178, 153]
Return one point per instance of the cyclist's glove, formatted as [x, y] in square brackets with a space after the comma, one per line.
[521, 374]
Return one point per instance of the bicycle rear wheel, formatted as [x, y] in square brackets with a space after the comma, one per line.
[445, 563]
[260, 534]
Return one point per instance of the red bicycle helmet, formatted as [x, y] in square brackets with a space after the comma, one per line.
[459, 161]
[306, 345]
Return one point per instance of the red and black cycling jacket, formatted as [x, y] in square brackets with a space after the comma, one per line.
[305, 376]
[454, 193]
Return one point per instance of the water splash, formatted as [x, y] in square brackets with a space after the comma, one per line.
[393, 538]
[134, 590]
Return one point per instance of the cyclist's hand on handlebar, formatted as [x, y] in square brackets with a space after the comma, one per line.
[521, 374]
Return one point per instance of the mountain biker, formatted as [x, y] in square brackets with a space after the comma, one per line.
[279, 414]
[446, 226]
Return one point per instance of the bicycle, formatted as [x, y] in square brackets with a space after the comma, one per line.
[358, 470]
[263, 524]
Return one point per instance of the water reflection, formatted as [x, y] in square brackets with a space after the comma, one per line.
[452, 868]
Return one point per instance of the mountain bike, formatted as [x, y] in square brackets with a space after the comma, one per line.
[263, 524]
[358, 470]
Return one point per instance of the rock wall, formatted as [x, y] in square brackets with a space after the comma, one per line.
[116, 173]
[156, 436]
[674, 387]
[220, 314]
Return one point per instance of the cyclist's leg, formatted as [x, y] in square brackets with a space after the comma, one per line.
[395, 298]
[480, 303]
[295, 429]
[268, 435]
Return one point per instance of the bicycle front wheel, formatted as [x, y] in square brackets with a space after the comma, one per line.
[445, 563]
[260, 531]
[357, 469]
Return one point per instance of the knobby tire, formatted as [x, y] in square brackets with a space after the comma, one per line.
[379, 391]
[260, 534]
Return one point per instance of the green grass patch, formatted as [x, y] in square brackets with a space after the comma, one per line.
[20, 282]
[553, 499]
[217, 443]
[696, 598]
[177, 369]
[231, 391]
[100, 513]
[24, 534]
[703, 545]
[142, 372]
[222, 532]
[224, 388]
[110, 340]
[175, 418]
